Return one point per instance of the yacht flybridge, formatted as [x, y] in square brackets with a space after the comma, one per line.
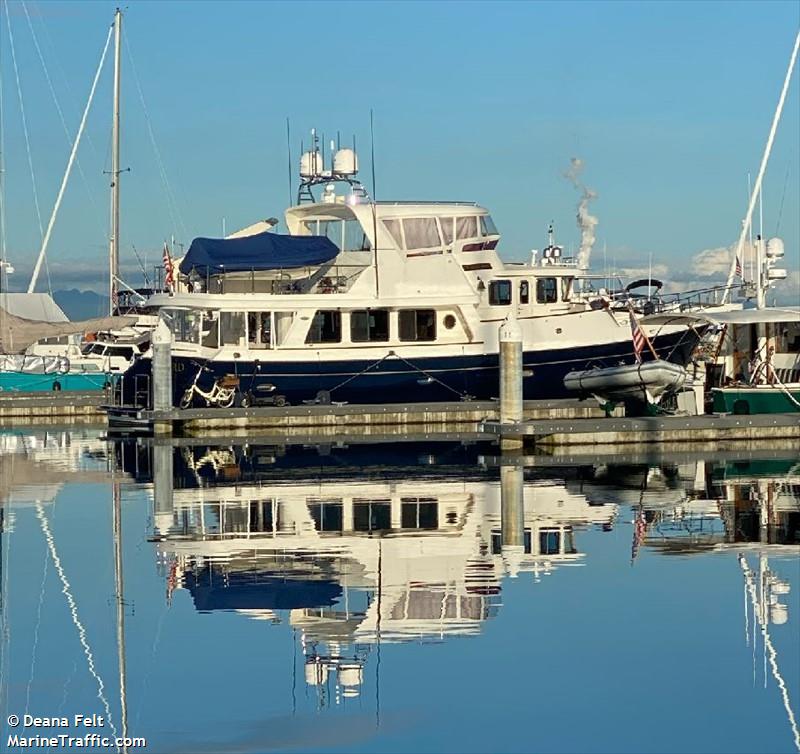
[371, 302]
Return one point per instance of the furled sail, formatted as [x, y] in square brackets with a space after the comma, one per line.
[17, 333]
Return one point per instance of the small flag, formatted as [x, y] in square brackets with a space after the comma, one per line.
[639, 339]
[169, 277]
[738, 268]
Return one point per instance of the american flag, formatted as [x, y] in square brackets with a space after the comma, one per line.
[639, 533]
[639, 338]
[738, 268]
[169, 277]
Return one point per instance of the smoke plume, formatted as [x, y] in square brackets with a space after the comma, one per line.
[586, 221]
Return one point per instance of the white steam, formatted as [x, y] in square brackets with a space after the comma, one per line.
[586, 221]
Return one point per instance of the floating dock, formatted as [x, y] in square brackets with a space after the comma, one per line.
[637, 430]
[339, 419]
[49, 407]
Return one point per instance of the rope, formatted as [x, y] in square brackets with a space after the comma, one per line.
[370, 367]
[172, 205]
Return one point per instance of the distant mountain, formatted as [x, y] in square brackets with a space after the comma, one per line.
[78, 305]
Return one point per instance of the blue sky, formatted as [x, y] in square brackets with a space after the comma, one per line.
[667, 104]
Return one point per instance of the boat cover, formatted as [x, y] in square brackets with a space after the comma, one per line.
[263, 251]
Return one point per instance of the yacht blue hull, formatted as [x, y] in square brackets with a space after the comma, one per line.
[396, 380]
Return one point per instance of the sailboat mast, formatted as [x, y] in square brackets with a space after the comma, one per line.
[113, 266]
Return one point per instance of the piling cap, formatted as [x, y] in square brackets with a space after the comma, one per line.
[510, 331]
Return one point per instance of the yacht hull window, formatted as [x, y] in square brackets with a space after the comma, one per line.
[326, 327]
[417, 324]
[369, 325]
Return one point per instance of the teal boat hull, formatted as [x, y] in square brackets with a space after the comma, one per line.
[24, 382]
[755, 400]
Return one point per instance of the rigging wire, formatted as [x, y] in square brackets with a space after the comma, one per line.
[25, 130]
[172, 204]
[73, 153]
[783, 198]
[95, 211]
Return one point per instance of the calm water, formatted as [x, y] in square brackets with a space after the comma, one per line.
[400, 597]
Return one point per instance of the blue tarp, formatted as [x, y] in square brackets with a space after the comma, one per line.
[264, 251]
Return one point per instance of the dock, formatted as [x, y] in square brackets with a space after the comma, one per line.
[652, 429]
[341, 420]
[49, 407]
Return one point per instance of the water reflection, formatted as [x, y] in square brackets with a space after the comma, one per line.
[358, 546]
[349, 552]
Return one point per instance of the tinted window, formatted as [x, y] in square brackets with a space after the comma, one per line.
[326, 327]
[524, 292]
[369, 325]
[488, 227]
[373, 515]
[417, 324]
[546, 290]
[500, 292]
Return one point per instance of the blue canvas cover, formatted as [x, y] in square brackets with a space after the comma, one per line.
[263, 251]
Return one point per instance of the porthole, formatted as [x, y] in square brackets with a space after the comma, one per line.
[449, 322]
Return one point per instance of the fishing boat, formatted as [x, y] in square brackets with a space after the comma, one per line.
[368, 301]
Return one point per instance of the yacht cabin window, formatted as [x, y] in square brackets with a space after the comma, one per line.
[447, 226]
[185, 325]
[372, 515]
[419, 513]
[348, 235]
[369, 325]
[488, 228]
[500, 292]
[327, 514]
[326, 327]
[231, 328]
[546, 290]
[259, 329]
[393, 226]
[210, 330]
[524, 292]
[421, 233]
[417, 324]
[467, 227]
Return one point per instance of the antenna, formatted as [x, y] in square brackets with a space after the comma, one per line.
[289, 157]
[374, 198]
[372, 150]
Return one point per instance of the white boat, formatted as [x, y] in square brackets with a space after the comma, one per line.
[646, 382]
[380, 302]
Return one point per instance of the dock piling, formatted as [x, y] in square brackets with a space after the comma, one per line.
[162, 374]
[510, 353]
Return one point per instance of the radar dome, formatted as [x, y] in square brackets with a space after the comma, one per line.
[345, 162]
[775, 247]
[310, 164]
